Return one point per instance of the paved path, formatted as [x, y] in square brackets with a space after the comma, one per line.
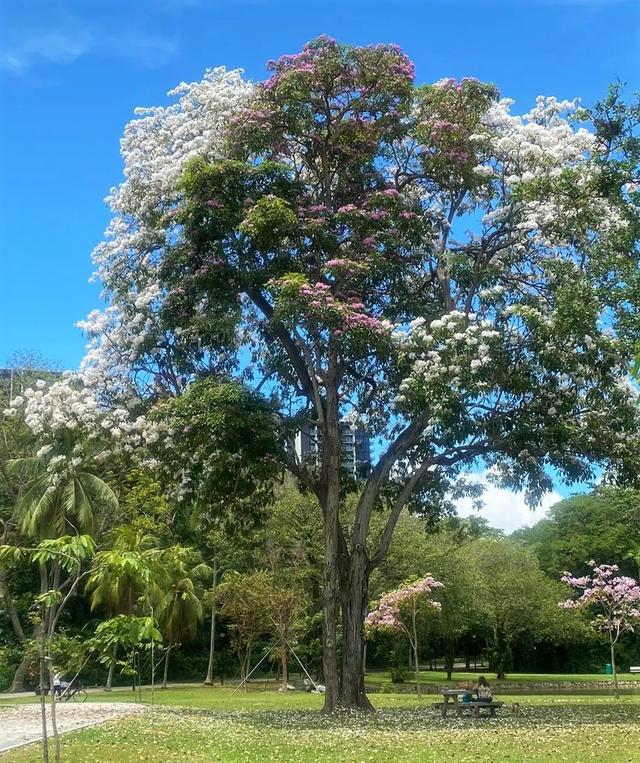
[21, 724]
[8, 696]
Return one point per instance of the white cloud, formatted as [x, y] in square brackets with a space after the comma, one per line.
[64, 39]
[505, 509]
[53, 47]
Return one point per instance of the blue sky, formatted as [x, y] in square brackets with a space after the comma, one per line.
[72, 72]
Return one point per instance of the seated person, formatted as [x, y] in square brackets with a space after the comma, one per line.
[483, 690]
[468, 688]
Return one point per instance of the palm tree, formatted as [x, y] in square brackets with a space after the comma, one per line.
[180, 609]
[59, 494]
[124, 571]
[129, 569]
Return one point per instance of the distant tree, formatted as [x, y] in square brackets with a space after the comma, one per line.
[121, 574]
[461, 614]
[613, 599]
[469, 528]
[284, 605]
[604, 524]
[128, 634]
[179, 609]
[292, 552]
[400, 610]
[223, 451]
[59, 493]
[407, 557]
[241, 599]
[65, 556]
[513, 596]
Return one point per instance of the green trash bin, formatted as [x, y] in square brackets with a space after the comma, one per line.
[608, 669]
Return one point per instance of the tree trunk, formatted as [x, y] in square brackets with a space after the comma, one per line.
[614, 669]
[109, 682]
[166, 667]
[331, 456]
[284, 665]
[17, 683]
[355, 588]
[241, 661]
[414, 644]
[54, 722]
[450, 657]
[330, 622]
[10, 608]
[208, 681]
[43, 705]
[500, 653]
[246, 670]
[111, 667]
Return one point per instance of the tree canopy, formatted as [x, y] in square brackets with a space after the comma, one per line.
[416, 259]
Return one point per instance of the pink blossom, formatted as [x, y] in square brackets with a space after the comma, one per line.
[388, 613]
[615, 599]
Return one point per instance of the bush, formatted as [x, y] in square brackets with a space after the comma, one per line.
[398, 674]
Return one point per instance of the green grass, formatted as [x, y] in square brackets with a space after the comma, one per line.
[200, 724]
[440, 677]
[375, 679]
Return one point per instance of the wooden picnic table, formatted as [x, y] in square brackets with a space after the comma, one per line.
[452, 696]
[452, 702]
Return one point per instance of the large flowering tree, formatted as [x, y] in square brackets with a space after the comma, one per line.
[459, 279]
[612, 599]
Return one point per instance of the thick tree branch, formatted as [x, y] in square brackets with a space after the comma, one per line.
[300, 473]
[298, 361]
[76, 579]
[407, 490]
[403, 442]
[10, 606]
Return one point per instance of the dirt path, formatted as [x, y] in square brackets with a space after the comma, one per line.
[21, 724]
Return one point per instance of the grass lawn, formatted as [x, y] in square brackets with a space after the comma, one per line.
[198, 724]
[374, 679]
[440, 677]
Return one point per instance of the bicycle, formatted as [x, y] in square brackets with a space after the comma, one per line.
[76, 693]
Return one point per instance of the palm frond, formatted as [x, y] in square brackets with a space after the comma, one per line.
[93, 497]
[28, 468]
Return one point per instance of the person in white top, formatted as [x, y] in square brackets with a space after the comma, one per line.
[484, 690]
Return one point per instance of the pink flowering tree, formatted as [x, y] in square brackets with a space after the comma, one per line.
[613, 599]
[422, 261]
[399, 610]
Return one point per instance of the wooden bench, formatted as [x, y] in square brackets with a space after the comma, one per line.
[468, 708]
[634, 669]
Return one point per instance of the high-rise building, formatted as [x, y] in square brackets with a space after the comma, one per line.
[354, 444]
